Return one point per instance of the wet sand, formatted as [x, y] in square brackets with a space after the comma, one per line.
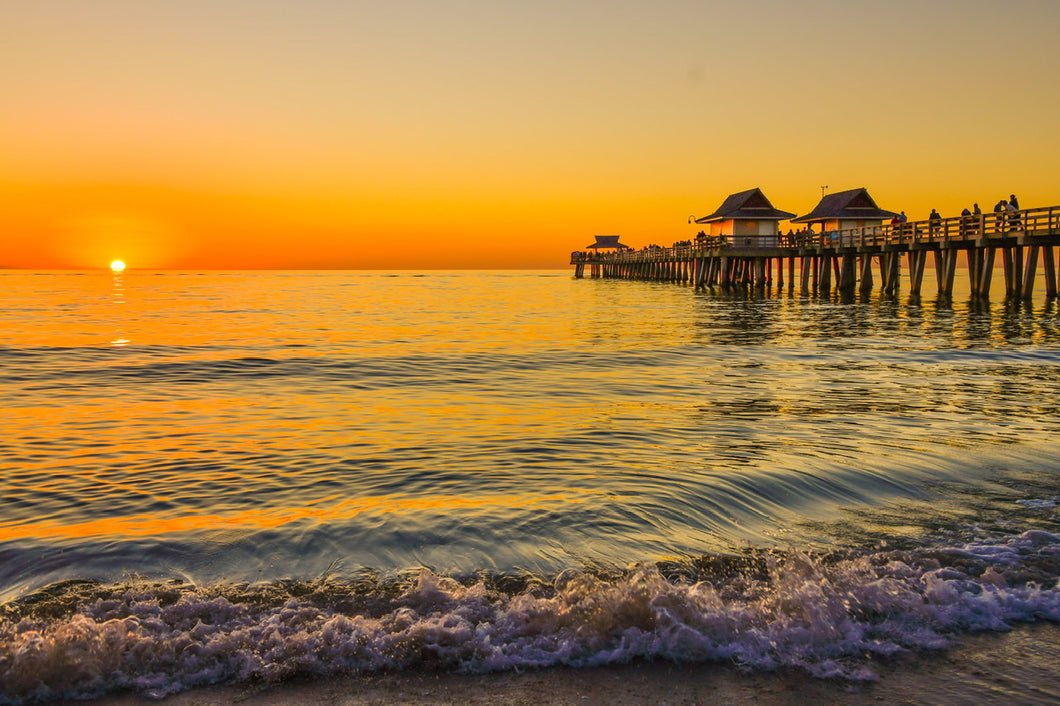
[1022, 667]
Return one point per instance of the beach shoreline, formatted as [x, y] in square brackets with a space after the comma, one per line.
[1021, 666]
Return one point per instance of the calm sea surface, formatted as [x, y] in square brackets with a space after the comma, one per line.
[225, 475]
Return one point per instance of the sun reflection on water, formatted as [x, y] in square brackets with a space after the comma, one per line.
[118, 299]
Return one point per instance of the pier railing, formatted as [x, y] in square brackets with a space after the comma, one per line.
[972, 230]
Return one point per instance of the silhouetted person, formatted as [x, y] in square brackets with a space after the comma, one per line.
[934, 222]
[999, 209]
[1013, 207]
[1013, 217]
[902, 220]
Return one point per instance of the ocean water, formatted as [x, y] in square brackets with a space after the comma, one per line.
[223, 476]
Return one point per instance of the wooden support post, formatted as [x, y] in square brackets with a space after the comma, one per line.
[975, 269]
[917, 260]
[804, 272]
[1017, 261]
[826, 275]
[866, 273]
[848, 273]
[950, 269]
[888, 268]
[986, 271]
[1050, 271]
[1008, 266]
[1028, 272]
[791, 272]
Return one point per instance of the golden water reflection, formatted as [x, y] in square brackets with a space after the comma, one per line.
[154, 526]
[118, 299]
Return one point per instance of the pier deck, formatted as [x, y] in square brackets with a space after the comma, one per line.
[845, 260]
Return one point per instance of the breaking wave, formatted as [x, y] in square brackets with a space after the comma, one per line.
[830, 615]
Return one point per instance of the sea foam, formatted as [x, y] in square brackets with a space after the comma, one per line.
[830, 616]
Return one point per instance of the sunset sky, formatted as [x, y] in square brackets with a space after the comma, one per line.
[429, 134]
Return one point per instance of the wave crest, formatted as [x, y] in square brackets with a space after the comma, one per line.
[829, 615]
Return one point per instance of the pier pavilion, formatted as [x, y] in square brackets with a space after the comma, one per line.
[746, 219]
[607, 243]
[848, 259]
[845, 210]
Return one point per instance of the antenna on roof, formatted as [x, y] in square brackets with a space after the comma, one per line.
[823, 189]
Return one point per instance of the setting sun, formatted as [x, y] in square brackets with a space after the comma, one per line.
[117, 266]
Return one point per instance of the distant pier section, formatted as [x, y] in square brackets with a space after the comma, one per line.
[845, 244]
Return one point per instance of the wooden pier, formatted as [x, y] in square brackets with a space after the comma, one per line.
[851, 260]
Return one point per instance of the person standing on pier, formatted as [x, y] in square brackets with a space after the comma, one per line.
[999, 220]
[1013, 207]
[934, 222]
[977, 218]
[902, 220]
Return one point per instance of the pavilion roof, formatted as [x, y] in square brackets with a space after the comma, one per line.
[606, 241]
[854, 204]
[747, 205]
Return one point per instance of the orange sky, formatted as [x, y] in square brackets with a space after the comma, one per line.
[421, 134]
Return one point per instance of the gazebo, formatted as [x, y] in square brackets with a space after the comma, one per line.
[607, 242]
[748, 219]
[846, 210]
